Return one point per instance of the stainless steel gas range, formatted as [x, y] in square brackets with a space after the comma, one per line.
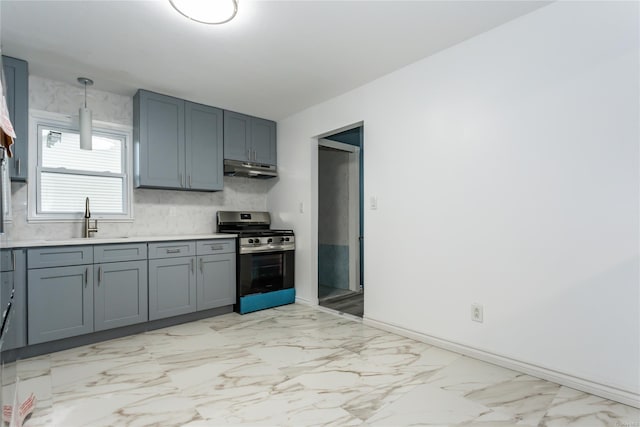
[265, 260]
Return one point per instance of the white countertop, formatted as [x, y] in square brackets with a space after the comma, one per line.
[104, 240]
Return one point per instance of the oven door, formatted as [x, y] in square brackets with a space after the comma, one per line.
[265, 272]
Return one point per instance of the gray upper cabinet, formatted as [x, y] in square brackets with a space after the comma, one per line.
[263, 137]
[237, 136]
[158, 133]
[249, 139]
[178, 144]
[204, 147]
[16, 73]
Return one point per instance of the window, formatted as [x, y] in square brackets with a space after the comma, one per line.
[65, 175]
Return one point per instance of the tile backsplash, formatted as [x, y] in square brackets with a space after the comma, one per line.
[155, 211]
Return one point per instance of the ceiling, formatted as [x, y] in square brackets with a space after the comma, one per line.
[275, 59]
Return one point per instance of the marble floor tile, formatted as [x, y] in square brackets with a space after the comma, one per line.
[575, 408]
[428, 405]
[466, 375]
[525, 398]
[292, 366]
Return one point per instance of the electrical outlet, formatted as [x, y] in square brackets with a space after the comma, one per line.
[477, 314]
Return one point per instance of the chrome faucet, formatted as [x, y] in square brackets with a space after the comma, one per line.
[87, 219]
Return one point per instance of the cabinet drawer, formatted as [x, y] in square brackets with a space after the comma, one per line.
[119, 252]
[59, 256]
[171, 249]
[211, 247]
[6, 260]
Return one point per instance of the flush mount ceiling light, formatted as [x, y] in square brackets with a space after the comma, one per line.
[210, 12]
[85, 118]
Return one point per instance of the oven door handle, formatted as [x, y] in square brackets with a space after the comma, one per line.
[256, 250]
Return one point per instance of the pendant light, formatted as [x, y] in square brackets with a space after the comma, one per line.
[85, 118]
[211, 12]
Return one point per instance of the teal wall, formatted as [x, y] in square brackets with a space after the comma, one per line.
[333, 266]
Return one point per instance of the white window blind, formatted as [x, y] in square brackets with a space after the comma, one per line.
[67, 175]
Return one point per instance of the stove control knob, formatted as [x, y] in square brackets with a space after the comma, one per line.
[282, 239]
[250, 240]
[286, 239]
[270, 240]
[256, 241]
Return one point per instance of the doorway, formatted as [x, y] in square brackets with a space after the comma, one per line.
[340, 261]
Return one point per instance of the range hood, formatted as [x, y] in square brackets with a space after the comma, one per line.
[249, 170]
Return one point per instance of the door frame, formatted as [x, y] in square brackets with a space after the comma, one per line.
[353, 209]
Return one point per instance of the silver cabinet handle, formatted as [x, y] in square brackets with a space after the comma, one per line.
[86, 276]
[173, 251]
[216, 248]
[13, 261]
[249, 155]
[18, 165]
[193, 267]
[201, 266]
[189, 180]
[180, 178]
[100, 275]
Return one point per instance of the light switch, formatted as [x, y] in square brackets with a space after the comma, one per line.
[373, 203]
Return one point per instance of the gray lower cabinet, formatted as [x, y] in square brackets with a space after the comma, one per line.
[66, 300]
[13, 278]
[76, 290]
[120, 294]
[60, 301]
[216, 281]
[172, 279]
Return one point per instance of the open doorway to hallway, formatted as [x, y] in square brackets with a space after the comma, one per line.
[340, 204]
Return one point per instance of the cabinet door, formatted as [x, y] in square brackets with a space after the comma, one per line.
[159, 140]
[172, 287]
[204, 146]
[15, 333]
[16, 75]
[216, 280]
[263, 141]
[60, 302]
[120, 294]
[237, 136]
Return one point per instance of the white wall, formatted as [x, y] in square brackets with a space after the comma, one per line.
[509, 164]
[194, 211]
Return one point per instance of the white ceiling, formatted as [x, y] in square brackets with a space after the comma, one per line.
[276, 58]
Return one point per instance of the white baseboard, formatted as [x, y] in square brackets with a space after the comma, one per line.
[305, 301]
[602, 390]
